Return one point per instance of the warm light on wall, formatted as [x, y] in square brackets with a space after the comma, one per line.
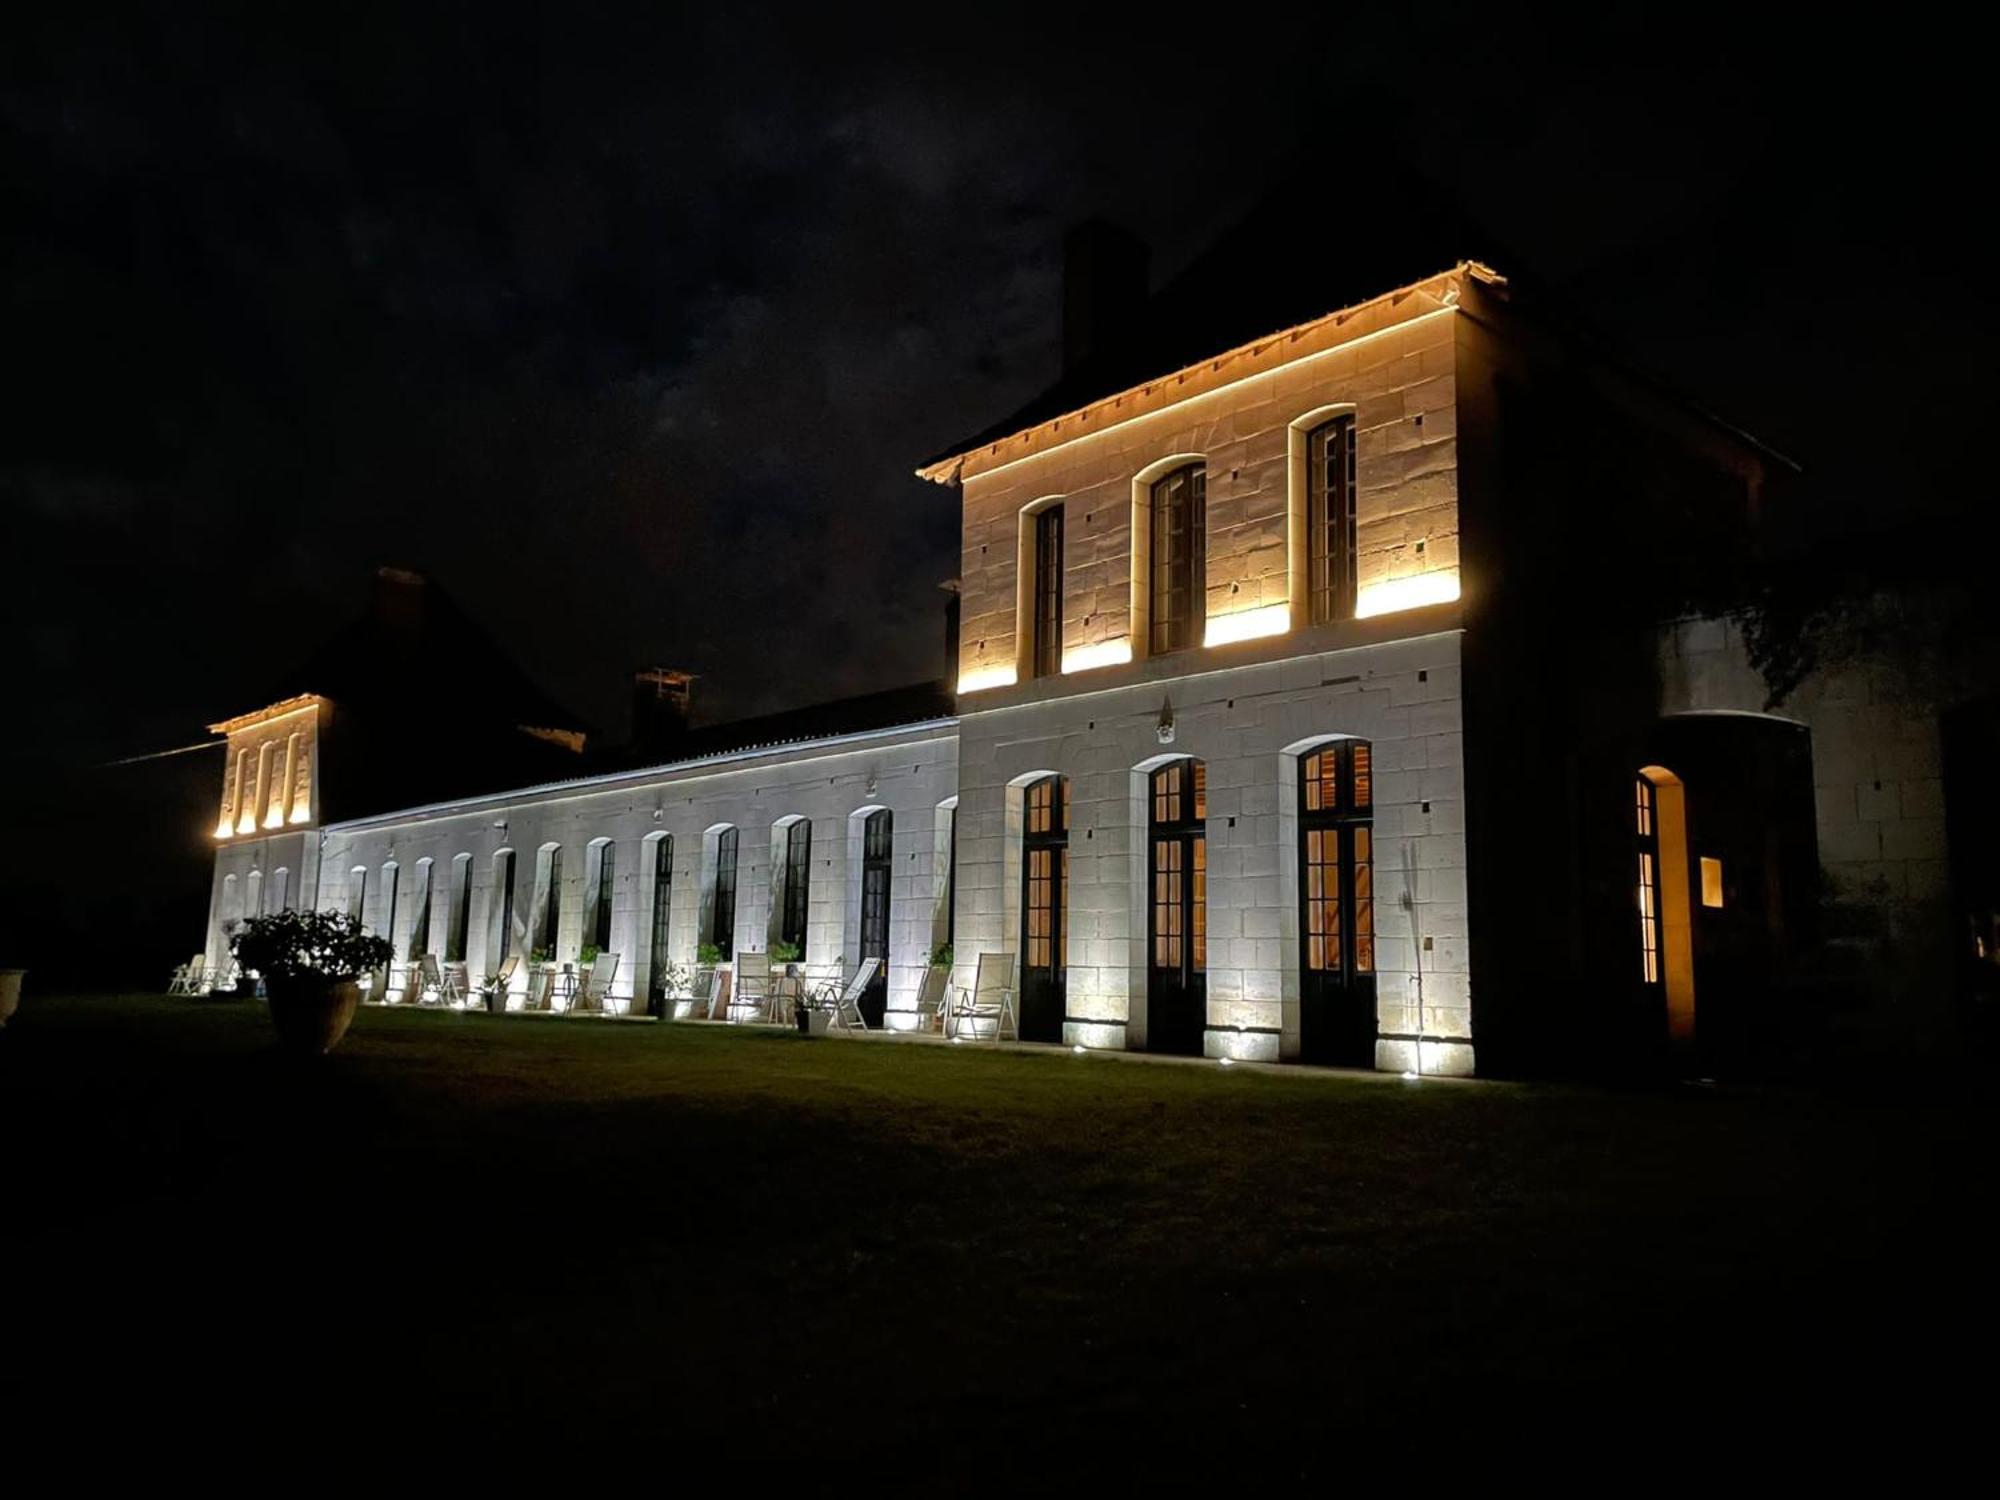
[1248, 625]
[981, 678]
[301, 814]
[222, 829]
[1393, 594]
[1101, 654]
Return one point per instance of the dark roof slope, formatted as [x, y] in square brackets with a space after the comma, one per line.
[1290, 259]
[915, 703]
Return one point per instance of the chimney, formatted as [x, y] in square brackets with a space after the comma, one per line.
[659, 709]
[1105, 272]
[396, 601]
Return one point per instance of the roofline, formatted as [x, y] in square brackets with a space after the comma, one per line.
[823, 745]
[283, 708]
[944, 468]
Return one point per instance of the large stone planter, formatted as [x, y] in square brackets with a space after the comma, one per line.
[312, 1015]
[10, 992]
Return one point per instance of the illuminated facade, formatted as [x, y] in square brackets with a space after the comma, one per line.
[1373, 693]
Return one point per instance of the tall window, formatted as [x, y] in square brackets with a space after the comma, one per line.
[1330, 519]
[357, 891]
[420, 924]
[461, 909]
[500, 939]
[951, 879]
[663, 905]
[600, 908]
[1044, 909]
[1179, 557]
[281, 892]
[1048, 591]
[550, 929]
[877, 843]
[1337, 1018]
[1646, 816]
[797, 875]
[1177, 916]
[390, 879]
[722, 918]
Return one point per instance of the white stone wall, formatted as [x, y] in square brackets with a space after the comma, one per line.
[909, 771]
[295, 854]
[1248, 724]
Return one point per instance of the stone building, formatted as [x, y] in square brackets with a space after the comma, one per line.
[1368, 685]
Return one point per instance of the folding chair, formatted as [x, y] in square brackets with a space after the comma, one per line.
[430, 982]
[845, 1003]
[934, 998]
[752, 992]
[187, 978]
[451, 983]
[991, 998]
[596, 984]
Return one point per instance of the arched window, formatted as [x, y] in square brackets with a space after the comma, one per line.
[663, 906]
[548, 909]
[460, 924]
[420, 920]
[1330, 519]
[282, 798]
[1177, 909]
[599, 878]
[1337, 1022]
[254, 904]
[391, 880]
[357, 893]
[1048, 595]
[1044, 908]
[246, 792]
[1179, 565]
[270, 800]
[877, 867]
[795, 884]
[501, 939]
[722, 910]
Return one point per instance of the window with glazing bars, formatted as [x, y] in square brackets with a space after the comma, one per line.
[798, 868]
[1048, 873]
[1330, 519]
[1646, 831]
[1337, 821]
[1180, 866]
[722, 930]
[461, 910]
[1179, 557]
[1048, 591]
[607, 872]
[420, 924]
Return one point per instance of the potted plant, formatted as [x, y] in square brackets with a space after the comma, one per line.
[786, 952]
[941, 956]
[675, 982]
[309, 962]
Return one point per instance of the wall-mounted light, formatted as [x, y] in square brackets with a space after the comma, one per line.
[1165, 728]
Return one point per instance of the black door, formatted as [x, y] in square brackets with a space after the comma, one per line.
[663, 902]
[1177, 913]
[1044, 900]
[1337, 906]
[877, 840]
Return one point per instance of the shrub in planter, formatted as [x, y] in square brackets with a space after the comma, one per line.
[309, 962]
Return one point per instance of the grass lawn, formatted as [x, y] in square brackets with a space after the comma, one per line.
[926, 1266]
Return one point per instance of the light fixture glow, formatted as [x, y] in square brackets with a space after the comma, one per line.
[1413, 592]
[1102, 654]
[1248, 625]
[1409, 1077]
[981, 678]
[1078, 1049]
[1228, 1062]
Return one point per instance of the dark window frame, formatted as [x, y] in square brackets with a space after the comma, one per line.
[1177, 558]
[1048, 592]
[722, 909]
[1330, 519]
[795, 904]
[600, 917]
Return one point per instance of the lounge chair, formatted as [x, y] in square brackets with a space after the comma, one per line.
[187, 978]
[845, 1000]
[451, 983]
[596, 984]
[991, 999]
[934, 998]
[751, 998]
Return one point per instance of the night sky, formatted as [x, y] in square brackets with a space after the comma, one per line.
[629, 326]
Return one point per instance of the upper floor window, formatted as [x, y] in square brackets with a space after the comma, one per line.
[1179, 557]
[1048, 591]
[1330, 519]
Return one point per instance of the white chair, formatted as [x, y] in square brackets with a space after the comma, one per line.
[934, 998]
[434, 983]
[751, 997]
[845, 1001]
[991, 998]
[597, 984]
[187, 978]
